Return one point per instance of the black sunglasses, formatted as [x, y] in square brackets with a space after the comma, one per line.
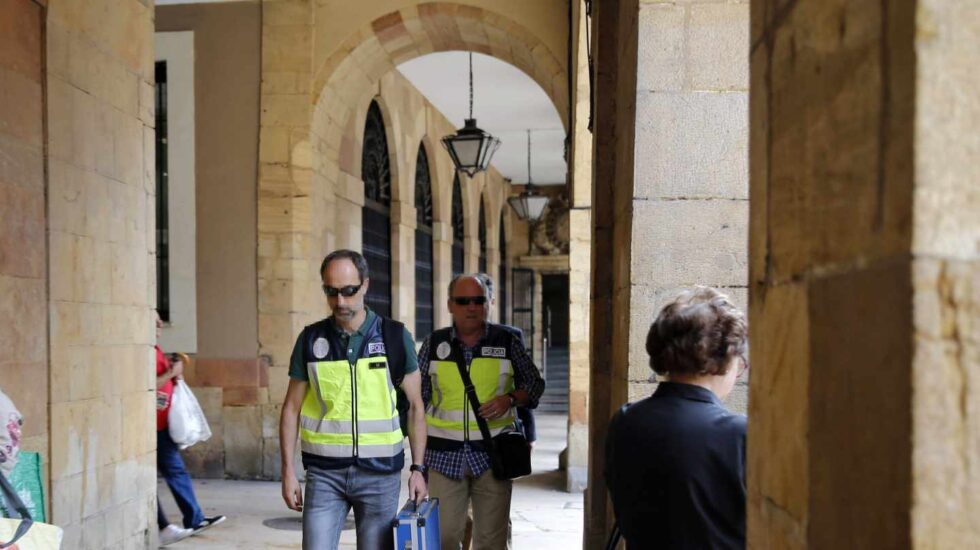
[346, 291]
[467, 300]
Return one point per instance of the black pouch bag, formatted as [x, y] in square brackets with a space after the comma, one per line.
[510, 453]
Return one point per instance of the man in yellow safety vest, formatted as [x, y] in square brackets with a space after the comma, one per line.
[504, 377]
[343, 400]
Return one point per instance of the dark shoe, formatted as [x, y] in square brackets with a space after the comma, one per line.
[208, 522]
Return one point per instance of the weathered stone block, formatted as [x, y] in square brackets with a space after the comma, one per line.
[860, 388]
[692, 145]
[690, 242]
[207, 458]
[660, 63]
[22, 220]
[718, 45]
[779, 375]
[224, 373]
[20, 106]
[278, 383]
[234, 396]
[22, 314]
[838, 193]
[945, 378]
[243, 441]
[271, 459]
[24, 165]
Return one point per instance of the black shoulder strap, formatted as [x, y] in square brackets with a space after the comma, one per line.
[475, 402]
[393, 336]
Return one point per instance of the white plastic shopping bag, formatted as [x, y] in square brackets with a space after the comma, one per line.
[186, 419]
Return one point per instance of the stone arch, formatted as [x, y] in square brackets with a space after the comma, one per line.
[398, 36]
[351, 74]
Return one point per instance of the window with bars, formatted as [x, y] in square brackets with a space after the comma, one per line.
[458, 224]
[483, 238]
[375, 215]
[424, 265]
[162, 203]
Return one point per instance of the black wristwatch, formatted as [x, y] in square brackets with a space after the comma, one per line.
[420, 468]
[513, 399]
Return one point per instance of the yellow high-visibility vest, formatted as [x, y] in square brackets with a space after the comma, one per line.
[449, 414]
[350, 410]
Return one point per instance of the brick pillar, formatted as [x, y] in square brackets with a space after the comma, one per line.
[864, 266]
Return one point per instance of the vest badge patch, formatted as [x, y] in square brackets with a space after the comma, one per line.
[493, 352]
[443, 350]
[376, 348]
[321, 348]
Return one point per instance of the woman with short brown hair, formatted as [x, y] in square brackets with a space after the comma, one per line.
[675, 461]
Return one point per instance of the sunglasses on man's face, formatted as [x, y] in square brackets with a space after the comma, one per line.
[467, 300]
[345, 291]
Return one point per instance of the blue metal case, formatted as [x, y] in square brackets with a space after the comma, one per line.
[417, 526]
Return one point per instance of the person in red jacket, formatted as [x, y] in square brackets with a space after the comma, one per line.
[169, 462]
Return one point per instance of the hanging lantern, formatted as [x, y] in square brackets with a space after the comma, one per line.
[471, 148]
[530, 204]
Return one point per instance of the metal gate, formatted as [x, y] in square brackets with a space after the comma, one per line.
[523, 304]
[375, 220]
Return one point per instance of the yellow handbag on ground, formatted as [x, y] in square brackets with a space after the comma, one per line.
[25, 533]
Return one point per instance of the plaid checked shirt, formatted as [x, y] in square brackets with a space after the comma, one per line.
[454, 464]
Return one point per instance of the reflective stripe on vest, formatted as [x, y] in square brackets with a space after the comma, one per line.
[447, 414]
[327, 426]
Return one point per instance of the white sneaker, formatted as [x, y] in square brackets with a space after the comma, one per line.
[171, 534]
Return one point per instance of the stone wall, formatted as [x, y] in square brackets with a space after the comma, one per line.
[101, 235]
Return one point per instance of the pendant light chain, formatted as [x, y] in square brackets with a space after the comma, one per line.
[471, 84]
[529, 182]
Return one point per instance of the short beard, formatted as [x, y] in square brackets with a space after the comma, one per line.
[345, 313]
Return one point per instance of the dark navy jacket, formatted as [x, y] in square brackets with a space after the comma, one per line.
[675, 467]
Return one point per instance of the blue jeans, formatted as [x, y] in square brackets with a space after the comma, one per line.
[171, 468]
[330, 494]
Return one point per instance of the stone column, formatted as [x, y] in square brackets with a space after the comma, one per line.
[403, 224]
[670, 204]
[101, 258]
[493, 269]
[579, 276]
[442, 252]
[864, 266]
[24, 369]
[287, 255]
[613, 35]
